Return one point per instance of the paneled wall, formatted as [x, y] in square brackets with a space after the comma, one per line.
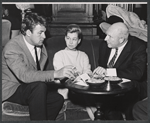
[79, 13]
[65, 14]
[88, 16]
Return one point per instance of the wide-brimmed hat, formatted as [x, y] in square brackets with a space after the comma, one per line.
[111, 20]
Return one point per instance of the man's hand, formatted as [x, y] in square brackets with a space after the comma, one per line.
[66, 71]
[100, 71]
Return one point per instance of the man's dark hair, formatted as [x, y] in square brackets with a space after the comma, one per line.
[30, 21]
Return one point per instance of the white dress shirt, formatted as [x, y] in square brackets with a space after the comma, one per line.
[112, 71]
[32, 50]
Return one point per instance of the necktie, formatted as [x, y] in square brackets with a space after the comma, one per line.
[37, 61]
[111, 63]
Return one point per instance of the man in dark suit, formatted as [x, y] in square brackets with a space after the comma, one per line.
[129, 59]
[23, 79]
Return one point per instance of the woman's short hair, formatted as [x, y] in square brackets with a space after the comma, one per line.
[30, 21]
[74, 28]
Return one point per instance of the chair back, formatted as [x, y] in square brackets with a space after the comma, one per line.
[6, 29]
[89, 46]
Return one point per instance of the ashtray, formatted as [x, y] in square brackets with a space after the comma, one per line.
[95, 82]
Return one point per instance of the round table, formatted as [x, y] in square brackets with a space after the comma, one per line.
[105, 89]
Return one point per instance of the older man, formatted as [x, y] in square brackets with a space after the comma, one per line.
[123, 56]
[23, 79]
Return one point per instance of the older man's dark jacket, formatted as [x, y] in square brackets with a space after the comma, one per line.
[132, 62]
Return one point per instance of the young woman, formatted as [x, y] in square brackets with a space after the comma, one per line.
[72, 56]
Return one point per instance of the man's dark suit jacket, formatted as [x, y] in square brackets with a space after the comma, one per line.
[132, 62]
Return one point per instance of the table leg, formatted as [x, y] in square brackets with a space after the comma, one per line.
[99, 115]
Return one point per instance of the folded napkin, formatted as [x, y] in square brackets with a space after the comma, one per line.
[81, 79]
[125, 80]
[81, 82]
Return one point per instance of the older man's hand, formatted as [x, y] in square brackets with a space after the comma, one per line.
[100, 71]
[66, 71]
